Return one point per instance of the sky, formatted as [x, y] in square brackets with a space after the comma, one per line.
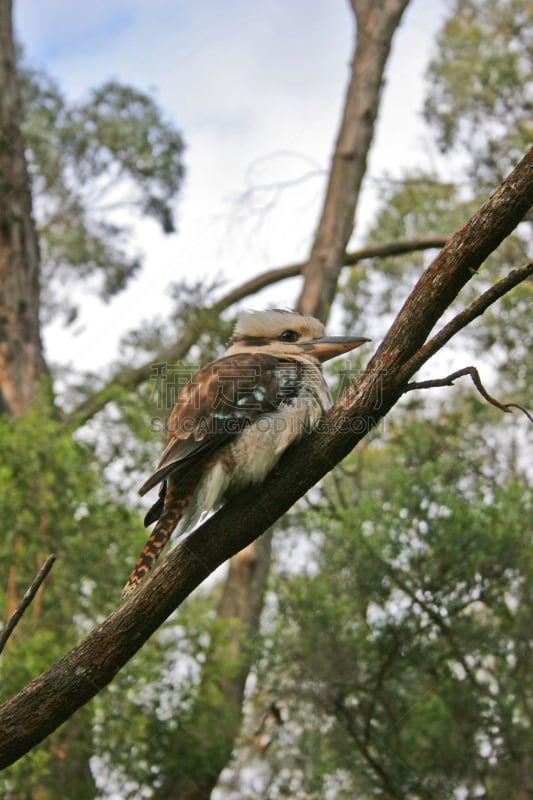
[256, 90]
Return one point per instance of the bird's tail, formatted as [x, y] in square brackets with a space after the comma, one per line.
[176, 500]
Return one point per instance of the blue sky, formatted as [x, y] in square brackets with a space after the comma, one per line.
[256, 89]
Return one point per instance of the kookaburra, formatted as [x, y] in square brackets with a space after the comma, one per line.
[235, 418]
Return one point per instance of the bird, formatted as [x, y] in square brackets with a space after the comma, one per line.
[235, 418]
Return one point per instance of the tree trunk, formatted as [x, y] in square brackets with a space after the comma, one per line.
[244, 588]
[376, 24]
[21, 354]
[22, 365]
[227, 666]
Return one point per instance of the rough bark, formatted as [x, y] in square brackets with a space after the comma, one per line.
[376, 24]
[54, 696]
[21, 354]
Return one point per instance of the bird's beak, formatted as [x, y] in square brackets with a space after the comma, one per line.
[330, 346]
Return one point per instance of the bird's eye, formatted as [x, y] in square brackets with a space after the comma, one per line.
[289, 336]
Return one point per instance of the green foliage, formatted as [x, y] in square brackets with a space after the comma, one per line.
[120, 130]
[113, 151]
[171, 719]
[52, 502]
[507, 334]
[480, 95]
[402, 650]
[145, 727]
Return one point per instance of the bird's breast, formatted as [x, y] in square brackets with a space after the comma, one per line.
[254, 452]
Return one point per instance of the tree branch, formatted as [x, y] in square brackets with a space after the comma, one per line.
[461, 320]
[458, 261]
[131, 378]
[26, 600]
[474, 374]
[51, 698]
[347, 716]
[438, 620]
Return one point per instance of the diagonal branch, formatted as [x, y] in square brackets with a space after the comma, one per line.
[51, 698]
[26, 600]
[461, 320]
[456, 264]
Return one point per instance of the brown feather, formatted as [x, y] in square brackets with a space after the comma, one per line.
[176, 500]
[218, 403]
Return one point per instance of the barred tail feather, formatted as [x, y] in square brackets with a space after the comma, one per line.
[176, 500]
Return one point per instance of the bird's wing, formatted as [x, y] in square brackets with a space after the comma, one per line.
[221, 400]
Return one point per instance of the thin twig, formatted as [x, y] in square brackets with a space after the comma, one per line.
[474, 374]
[26, 600]
[461, 320]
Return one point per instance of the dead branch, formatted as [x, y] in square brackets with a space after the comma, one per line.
[26, 600]
[474, 374]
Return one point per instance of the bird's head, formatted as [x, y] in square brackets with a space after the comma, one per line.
[288, 334]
